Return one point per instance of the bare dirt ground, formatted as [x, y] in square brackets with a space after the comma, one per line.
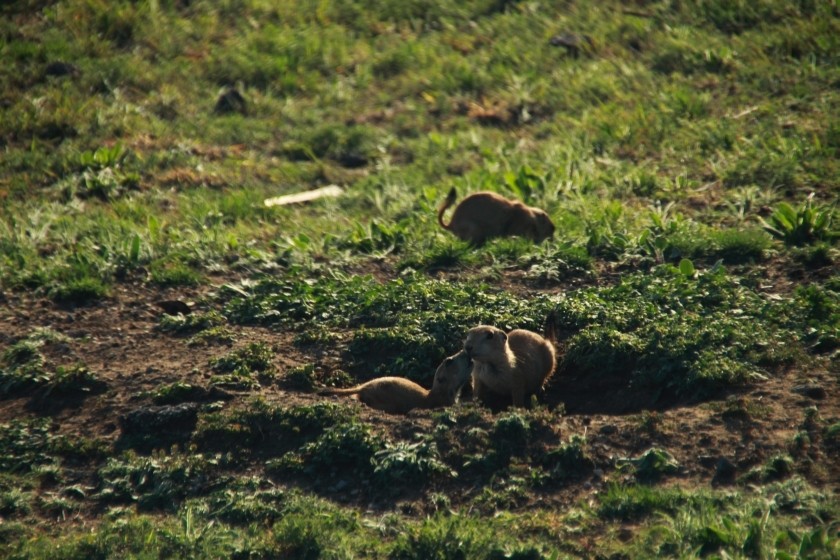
[118, 340]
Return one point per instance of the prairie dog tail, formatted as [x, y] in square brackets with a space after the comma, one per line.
[450, 200]
[349, 391]
[550, 328]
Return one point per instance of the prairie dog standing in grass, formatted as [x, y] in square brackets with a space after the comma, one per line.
[515, 364]
[398, 395]
[484, 215]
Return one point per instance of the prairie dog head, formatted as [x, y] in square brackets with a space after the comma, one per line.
[452, 373]
[484, 342]
[543, 225]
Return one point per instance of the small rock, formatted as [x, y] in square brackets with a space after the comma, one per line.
[174, 307]
[572, 42]
[708, 461]
[625, 534]
[598, 473]
[160, 419]
[810, 390]
[59, 68]
[724, 471]
[230, 101]
[352, 160]
[608, 429]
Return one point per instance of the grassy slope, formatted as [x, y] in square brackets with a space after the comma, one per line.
[674, 130]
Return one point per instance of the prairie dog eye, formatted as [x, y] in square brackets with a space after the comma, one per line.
[489, 334]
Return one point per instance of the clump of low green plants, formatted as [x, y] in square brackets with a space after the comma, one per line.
[244, 368]
[672, 332]
[102, 175]
[24, 369]
[349, 146]
[569, 460]
[651, 465]
[750, 524]
[416, 462]
[71, 380]
[176, 392]
[79, 290]
[246, 501]
[411, 321]
[23, 366]
[269, 430]
[637, 501]
[26, 444]
[377, 238]
[159, 481]
[174, 273]
[343, 451]
[309, 528]
[803, 225]
[212, 336]
[510, 435]
[190, 323]
[301, 377]
[559, 264]
[777, 467]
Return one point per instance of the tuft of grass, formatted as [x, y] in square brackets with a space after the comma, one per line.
[79, 291]
[174, 274]
[638, 501]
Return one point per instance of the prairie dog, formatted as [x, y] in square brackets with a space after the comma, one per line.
[398, 395]
[484, 215]
[515, 364]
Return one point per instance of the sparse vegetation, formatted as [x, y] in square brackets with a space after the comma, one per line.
[686, 151]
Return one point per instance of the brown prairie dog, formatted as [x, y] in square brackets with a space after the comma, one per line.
[484, 215]
[515, 364]
[398, 395]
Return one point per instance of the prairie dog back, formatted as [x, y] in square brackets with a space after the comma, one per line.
[514, 364]
[485, 215]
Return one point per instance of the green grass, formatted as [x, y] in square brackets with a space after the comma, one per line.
[672, 332]
[688, 154]
[25, 370]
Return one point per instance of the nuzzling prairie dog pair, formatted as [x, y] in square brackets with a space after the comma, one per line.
[484, 215]
[398, 395]
[514, 364]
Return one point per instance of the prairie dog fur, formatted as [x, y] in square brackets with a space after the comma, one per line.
[515, 364]
[398, 395]
[484, 215]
